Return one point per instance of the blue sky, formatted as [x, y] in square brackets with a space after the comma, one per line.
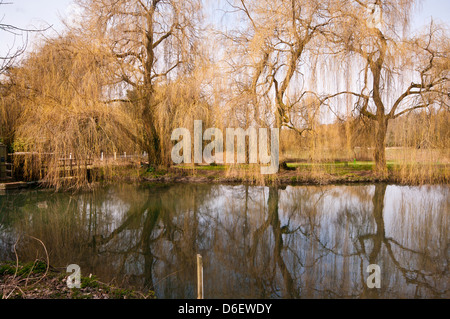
[42, 13]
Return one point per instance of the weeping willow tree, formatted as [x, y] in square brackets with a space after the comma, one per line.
[277, 43]
[178, 103]
[61, 87]
[10, 109]
[297, 54]
[151, 43]
[398, 73]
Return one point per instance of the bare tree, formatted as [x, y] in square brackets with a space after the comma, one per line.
[399, 73]
[60, 88]
[10, 109]
[151, 42]
[279, 41]
[8, 59]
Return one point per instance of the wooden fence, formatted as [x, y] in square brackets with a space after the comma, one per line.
[68, 165]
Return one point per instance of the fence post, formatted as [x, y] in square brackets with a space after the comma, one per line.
[70, 164]
[199, 277]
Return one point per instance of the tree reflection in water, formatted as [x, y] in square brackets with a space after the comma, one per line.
[256, 242]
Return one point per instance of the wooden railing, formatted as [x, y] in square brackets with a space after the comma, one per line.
[68, 165]
[9, 170]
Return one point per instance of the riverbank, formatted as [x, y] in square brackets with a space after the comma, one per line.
[37, 280]
[294, 174]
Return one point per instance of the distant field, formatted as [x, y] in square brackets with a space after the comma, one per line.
[393, 155]
[411, 172]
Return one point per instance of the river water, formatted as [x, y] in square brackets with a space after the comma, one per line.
[256, 242]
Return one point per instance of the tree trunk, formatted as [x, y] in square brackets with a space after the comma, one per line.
[274, 218]
[151, 134]
[150, 224]
[380, 148]
[154, 154]
[378, 238]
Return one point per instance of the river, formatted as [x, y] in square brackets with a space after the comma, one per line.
[256, 242]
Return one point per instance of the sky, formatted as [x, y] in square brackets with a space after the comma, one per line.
[45, 13]
[31, 14]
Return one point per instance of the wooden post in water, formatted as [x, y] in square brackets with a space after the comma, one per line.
[199, 277]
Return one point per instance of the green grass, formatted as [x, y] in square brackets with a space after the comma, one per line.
[331, 170]
[353, 165]
[203, 167]
[152, 172]
[350, 169]
[89, 282]
[9, 268]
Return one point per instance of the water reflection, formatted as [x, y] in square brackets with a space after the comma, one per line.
[256, 242]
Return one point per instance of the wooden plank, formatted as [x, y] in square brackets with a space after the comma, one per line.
[13, 185]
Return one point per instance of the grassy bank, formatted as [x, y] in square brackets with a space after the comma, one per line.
[37, 280]
[290, 173]
[295, 173]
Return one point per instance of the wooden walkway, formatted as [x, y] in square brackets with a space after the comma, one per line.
[13, 185]
[67, 166]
